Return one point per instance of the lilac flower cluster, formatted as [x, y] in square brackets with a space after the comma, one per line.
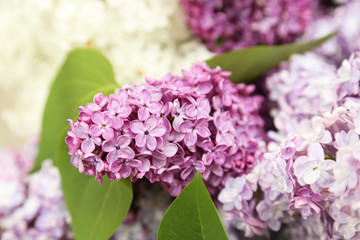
[31, 206]
[311, 174]
[321, 177]
[225, 25]
[343, 19]
[167, 129]
[307, 86]
[303, 87]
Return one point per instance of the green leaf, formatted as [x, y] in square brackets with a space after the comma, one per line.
[249, 63]
[96, 210]
[84, 73]
[192, 215]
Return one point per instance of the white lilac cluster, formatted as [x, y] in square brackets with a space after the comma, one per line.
[345, 20]
[310, 181]
[31, 206]
[38, 34]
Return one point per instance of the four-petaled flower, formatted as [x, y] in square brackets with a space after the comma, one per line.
[192, 130]
[147, 132]
[102, 125]
[314, 169]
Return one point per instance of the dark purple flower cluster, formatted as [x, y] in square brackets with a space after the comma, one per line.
[168, 129]
[225, 25]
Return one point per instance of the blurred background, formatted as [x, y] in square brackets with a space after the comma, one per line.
[140, 38]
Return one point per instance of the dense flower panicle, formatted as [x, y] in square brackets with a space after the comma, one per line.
[310, 177]
[303, 87]
[225, 25]
[31, 205]
[307, 86]
[167, 129]
[343, 19]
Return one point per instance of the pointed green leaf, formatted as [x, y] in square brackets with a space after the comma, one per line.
[249, 63]
[84, 73]
[96, 209]
[192, 216]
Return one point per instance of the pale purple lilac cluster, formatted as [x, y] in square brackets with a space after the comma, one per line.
[343, 19]
[225, 25]
[309, 180]
[31, 205]
[165, 130]
[303, 87]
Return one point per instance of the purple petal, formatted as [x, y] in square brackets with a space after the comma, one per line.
[190, 138]
[145, 96]
[97, 117]
[115, 166]
[207, 145]
[87, 146]
[112, 156]
[186, 126]
[187, 173]
[134, 163]
[123, 141]
[113, 105]
[150, 123]
[217, 170]
[191, 111]
[108, 146]
[125, 171]
[177, 122]
[154, 107]
[95, 130]
[167, 177]
[145, 165]
[108, 133]
[170, 149]
[81, 130]
[140, 140]
[151, 142]
[201, 122]
[126, 152]
[137, 127]
[158, 161]
[219, 158]
[203, 131]
[117, 123]
[208, 158]
[124, 111]
[158, 131]
[143, 113]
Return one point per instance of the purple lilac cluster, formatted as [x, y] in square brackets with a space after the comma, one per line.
[312, 177]
[167, 129]
[31, 206]
[343, 19]
[225, 25]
